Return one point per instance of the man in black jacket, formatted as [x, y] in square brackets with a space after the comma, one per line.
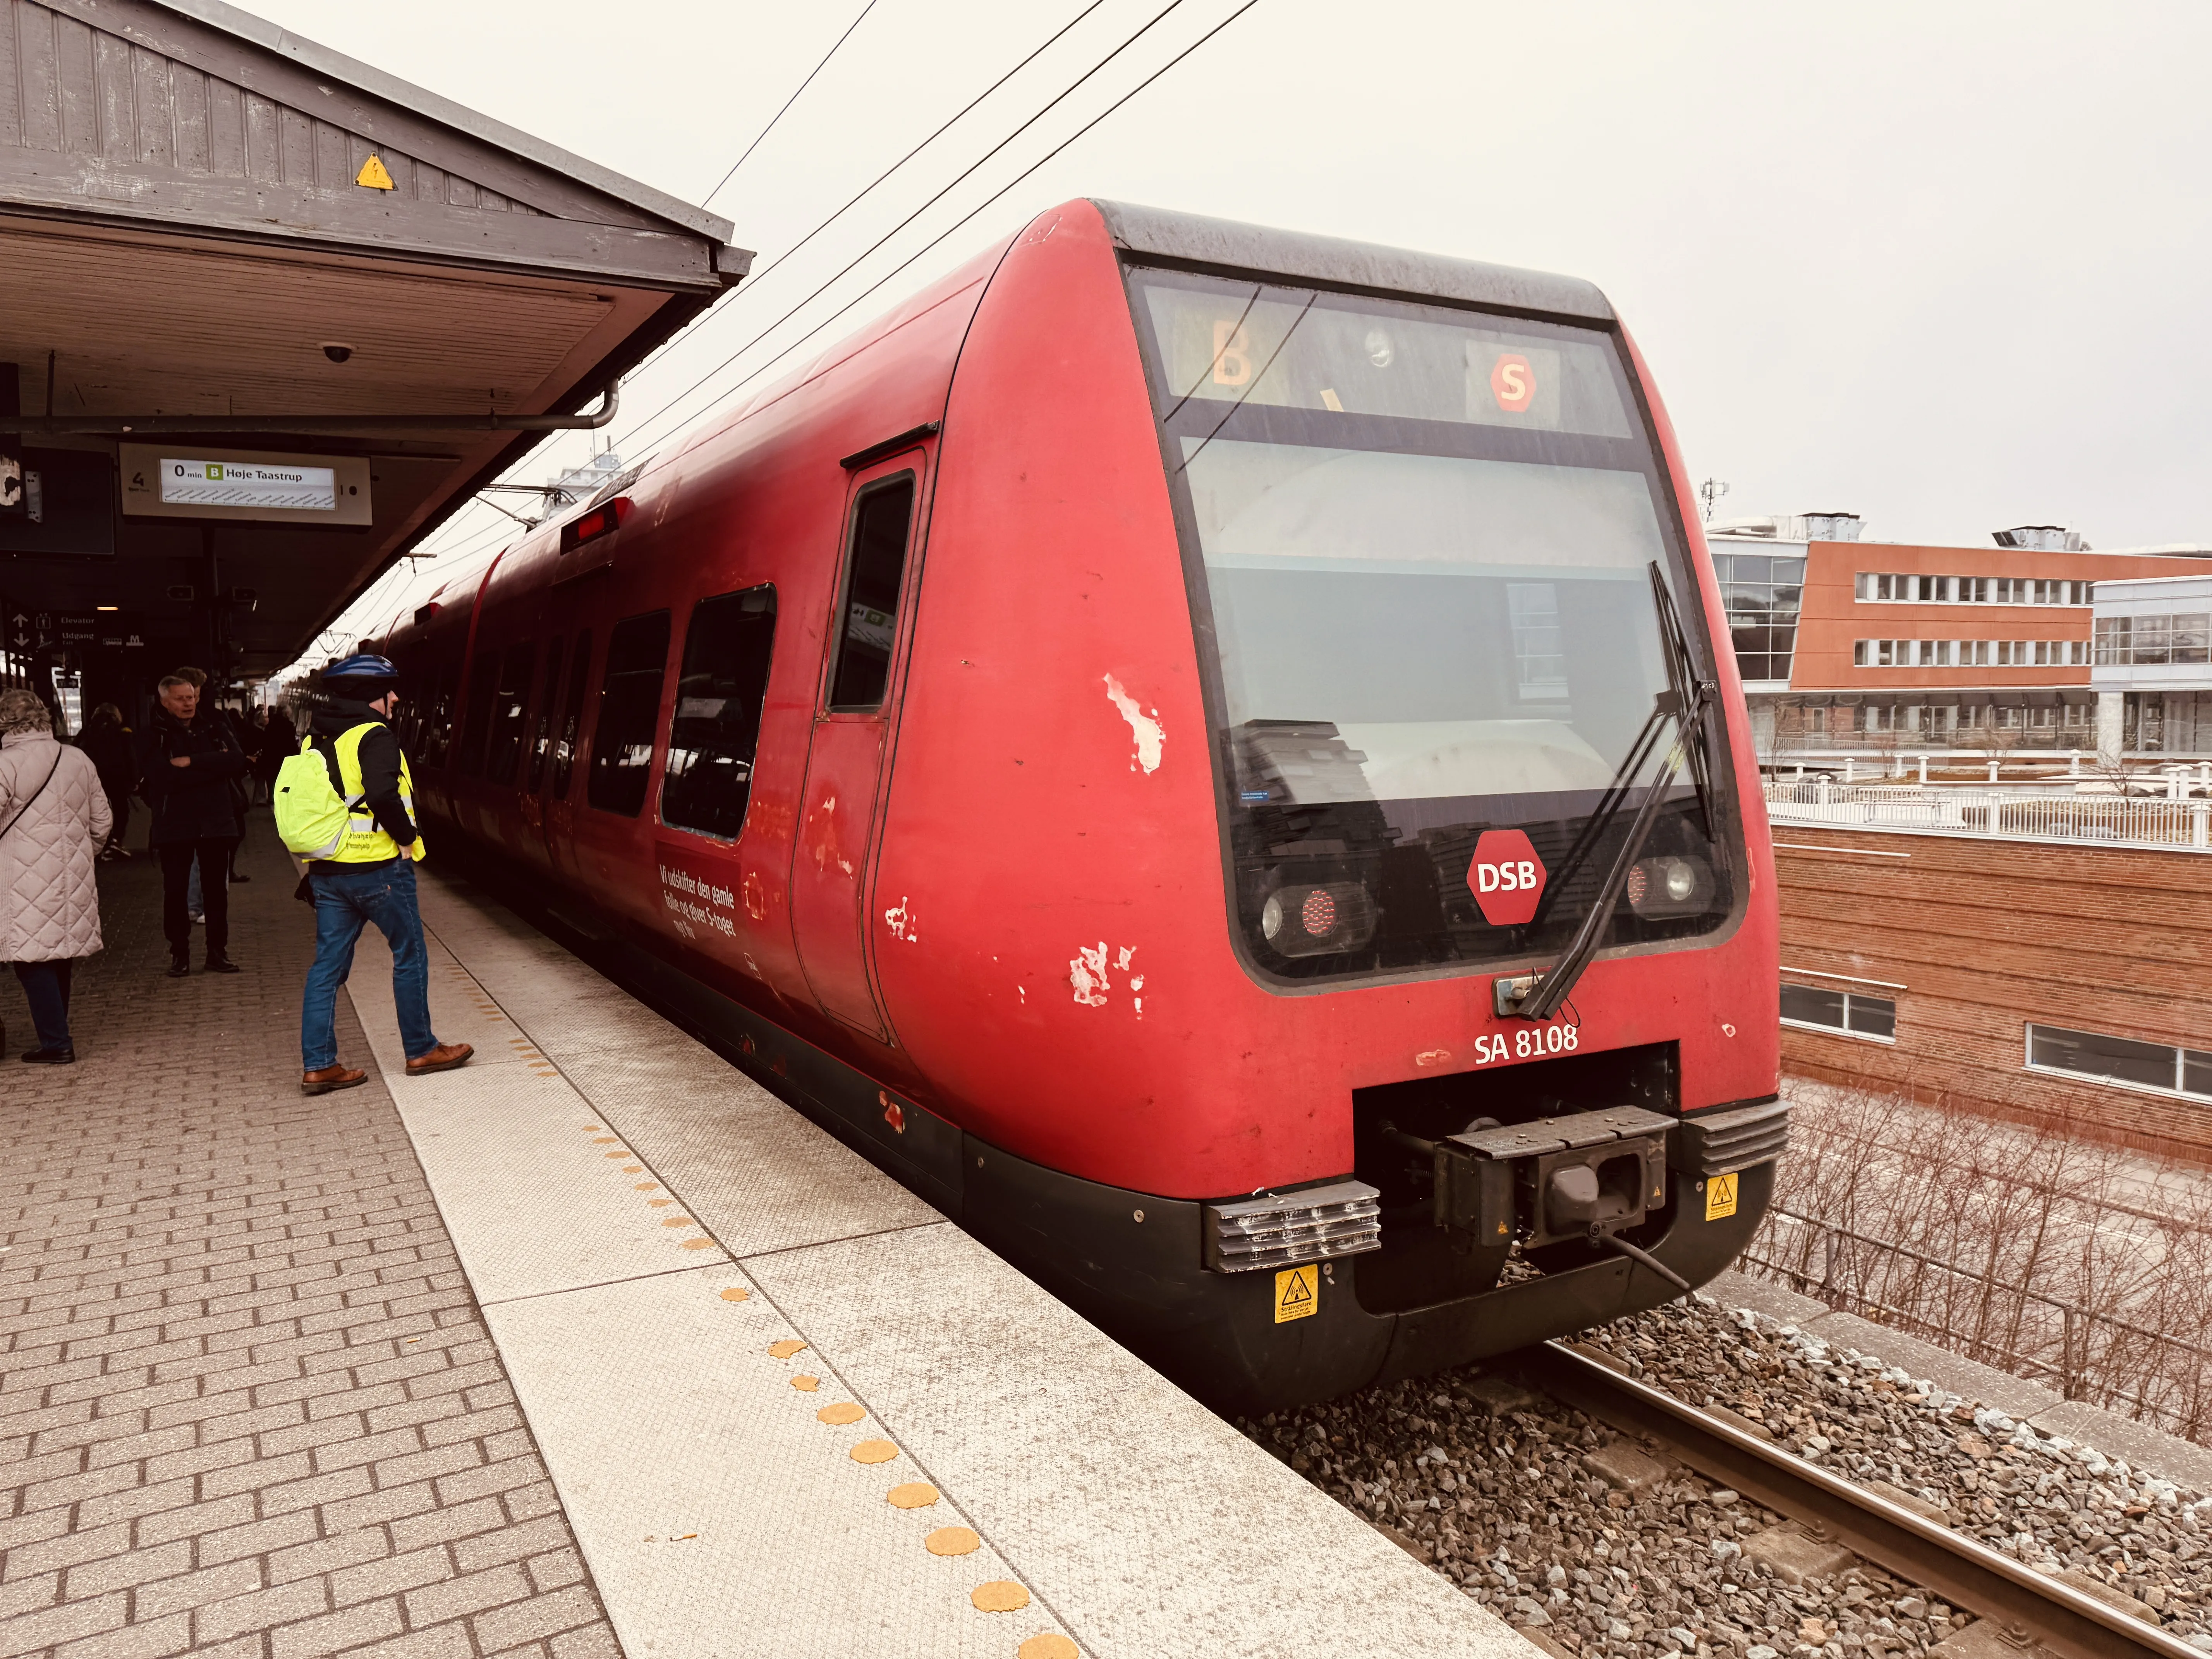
[188, 761]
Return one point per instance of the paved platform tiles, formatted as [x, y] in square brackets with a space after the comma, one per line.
[248, 1407]
[791, 1409]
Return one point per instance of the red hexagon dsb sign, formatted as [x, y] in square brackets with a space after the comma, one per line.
[1507, 878]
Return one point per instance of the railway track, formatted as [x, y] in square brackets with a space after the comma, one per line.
[2031, 1614]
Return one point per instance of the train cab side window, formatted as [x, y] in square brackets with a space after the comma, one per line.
[711, 741]
[541, 737]
[507, 712]
[571, 717]
[629, 711]
[484, 686]
[875, 564]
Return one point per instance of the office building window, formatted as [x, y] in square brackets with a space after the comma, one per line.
[1850, 1013]
[2127, 1061]
[1762, 593]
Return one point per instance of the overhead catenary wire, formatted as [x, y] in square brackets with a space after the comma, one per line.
[957, 225]
[708, 198]
[753, 279]
[1059, 98]
[474, 542]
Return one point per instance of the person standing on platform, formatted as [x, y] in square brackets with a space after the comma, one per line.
[106, 741]
[188, 761]
[368, 877]
[53, 818]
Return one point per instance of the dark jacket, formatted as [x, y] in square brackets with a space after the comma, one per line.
[280, 741]
[380, 763]
[195, 802]
[107, 746]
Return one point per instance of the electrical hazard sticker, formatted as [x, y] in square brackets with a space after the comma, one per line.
[1720, 1198]
[1297, 1292]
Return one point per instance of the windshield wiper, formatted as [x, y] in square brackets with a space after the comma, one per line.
[1684, 702]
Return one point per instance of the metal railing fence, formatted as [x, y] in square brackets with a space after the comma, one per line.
[2085, 1355]
[2183, 826]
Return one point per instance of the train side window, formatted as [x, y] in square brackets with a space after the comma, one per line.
[437, 735]
[712, 739]
[875, 564]
[541, 738]
[571, 717]
[507, 712]
[483, 685]
[629, 711]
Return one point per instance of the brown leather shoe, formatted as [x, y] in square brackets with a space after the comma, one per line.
[443, 1058]
[329, 1077]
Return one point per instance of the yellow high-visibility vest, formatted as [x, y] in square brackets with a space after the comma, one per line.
[365, 840]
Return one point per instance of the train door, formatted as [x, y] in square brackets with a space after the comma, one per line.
[845, 761]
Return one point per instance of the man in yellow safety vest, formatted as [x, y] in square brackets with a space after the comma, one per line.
[369, 878]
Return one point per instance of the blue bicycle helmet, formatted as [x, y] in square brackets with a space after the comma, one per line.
[361, 670]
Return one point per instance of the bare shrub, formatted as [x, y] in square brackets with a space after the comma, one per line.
[2078, 1263]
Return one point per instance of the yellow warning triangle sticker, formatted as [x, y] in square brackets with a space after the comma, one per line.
[1297, 1290]
[374, 175]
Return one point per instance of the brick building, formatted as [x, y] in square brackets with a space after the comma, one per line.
[1846, 644]
[2030, 980]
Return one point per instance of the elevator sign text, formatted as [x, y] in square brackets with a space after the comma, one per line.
[1506, 878]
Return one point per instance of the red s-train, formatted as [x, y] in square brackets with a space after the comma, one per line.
[1203, 751]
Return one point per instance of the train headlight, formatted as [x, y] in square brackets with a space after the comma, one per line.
[1670, 885]
[1314, 920]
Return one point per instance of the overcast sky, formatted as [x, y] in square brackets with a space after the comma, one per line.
[1941, 265]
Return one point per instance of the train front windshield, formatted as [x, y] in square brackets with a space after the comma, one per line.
[1422, 549]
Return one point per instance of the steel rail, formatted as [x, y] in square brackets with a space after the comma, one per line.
[2026, 1605]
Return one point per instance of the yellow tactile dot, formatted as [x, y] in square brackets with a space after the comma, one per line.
[1050, 1644]
[807, 1384]
[606, 1140]
[736, 1294]
[651, 1187]
[698, 1243]
[630, 1169]
[999, 1595]
[785, 1348]
[873, 1451]
[952, 1540]
[594, 1128]
[618, 1155]
[679, 1221]
[845, 1412]
[913, 1495]
[655, 1203]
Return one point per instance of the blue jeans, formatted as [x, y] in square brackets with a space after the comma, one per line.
[346, 901]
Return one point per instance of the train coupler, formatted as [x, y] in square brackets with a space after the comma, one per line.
[1584, 1175]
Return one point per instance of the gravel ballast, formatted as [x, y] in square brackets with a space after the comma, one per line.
[1548, 1518]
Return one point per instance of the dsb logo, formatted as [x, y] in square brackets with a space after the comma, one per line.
[1506, 878]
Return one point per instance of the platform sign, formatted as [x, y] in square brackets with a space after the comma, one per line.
[184, 481]
[187, 481]
[1506, 878]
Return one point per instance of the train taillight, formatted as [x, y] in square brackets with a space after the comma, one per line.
[1314, 920]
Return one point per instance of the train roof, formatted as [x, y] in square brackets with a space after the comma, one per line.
[1334, 260]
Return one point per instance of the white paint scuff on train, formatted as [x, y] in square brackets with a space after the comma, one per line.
[1144, 728]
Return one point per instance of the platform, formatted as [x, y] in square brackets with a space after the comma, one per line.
[594, 1346]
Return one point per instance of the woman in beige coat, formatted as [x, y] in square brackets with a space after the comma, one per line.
[53, 821]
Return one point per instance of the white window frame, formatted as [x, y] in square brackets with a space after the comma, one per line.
[1847, 994]
[2027, 1064]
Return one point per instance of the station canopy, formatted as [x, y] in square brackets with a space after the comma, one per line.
[268, 316]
